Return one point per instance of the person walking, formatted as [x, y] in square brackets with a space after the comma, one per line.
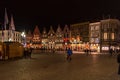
[69, 53]
[29, 52]
[118, 60]
[87, 51]
[111, 51]
[25, 52]
[53, 50]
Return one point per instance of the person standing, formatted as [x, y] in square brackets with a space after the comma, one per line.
[29, 52]
[25, 52]
[69, 53]
[118, 60]
[111, 51]
[87, 51]
[0, 55]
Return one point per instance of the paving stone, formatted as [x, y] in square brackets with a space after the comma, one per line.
[47, 66]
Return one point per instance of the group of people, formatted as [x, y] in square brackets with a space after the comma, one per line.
[111, 51]
[87, 51]
[27, 52]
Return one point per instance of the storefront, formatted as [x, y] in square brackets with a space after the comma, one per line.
[95, 47]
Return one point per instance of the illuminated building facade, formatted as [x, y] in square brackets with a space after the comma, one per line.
[5, 37]
[29, 39]
[36, 40]
[44, 39]
[59, 38]
[94, 36]
[79, 36]
[66, 37]
[8, 32]
[110, 30]
[51, 38]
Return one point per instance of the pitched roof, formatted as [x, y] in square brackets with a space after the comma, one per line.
[36, 31]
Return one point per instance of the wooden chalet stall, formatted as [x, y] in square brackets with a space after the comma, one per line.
[11, 50]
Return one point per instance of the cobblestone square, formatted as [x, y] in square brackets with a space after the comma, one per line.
[47, 66]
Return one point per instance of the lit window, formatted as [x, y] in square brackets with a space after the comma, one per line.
[105, 48]
[92, 40]
[97, 27]
[97, 40]
[92, 27]
[105, 36]
[112, 36]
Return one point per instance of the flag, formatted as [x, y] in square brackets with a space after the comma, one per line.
[5, 19]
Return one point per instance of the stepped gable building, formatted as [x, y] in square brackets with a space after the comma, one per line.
[44, 37]
[51, 38]
[29, 39]
[36, 41]
[66, 37]
[59, 38]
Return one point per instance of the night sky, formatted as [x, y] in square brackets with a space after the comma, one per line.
[29, 13]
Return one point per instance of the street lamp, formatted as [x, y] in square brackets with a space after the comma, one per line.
[23, 35]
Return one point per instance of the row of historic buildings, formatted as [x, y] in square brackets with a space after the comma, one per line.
[98, 36]
[59, 39]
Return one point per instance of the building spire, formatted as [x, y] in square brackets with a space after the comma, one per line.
[5, 19]
[12, 26]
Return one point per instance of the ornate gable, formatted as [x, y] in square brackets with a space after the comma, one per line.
[51, 31]
[66, 29]
[36, 31]
[36, 35]
[44, 33]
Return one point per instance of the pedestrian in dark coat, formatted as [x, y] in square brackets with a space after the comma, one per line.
[87, 51]
[25, 52]
[29, 52]
[118, 60]
[111, 51]
[0, 55]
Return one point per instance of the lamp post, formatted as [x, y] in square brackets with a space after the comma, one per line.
[23, 35]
